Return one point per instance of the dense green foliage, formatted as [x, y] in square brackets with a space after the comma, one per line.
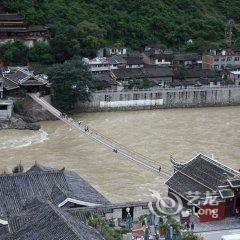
[190, 236]
[136, 23]
[108, 232]
[71, 82]
[17, 53]
[14, 53]
[40, 53]
[84, 39]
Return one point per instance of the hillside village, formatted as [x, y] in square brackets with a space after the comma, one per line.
[48, 203]
[116, 68]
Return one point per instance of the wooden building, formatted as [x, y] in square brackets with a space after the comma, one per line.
[46, 203]
[210, 187]
[19, 81]
[13, 27]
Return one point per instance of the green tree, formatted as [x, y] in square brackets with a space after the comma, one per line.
[65, 45]
[40, 53]
[90, 38]
[72, 82]
[14, 53]
[190, 236]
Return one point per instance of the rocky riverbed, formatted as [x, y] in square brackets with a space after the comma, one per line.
[18, 122]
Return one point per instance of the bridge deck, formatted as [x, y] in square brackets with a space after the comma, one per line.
[117, 148]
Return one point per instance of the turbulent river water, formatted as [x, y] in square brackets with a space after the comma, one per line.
[182, 133]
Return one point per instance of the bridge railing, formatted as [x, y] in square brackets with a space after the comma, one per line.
[105, 141]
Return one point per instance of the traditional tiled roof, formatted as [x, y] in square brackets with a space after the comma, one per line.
[13, 30]
[153, 71]
[9, 85]
[10, 17]
[116, 59]
[186, 57]
[198, 73]
[128, 73]
[201, 174]
[43, 220]
[133, 60]
[37, 28]
[16, 189]
[104, 77]
[3, 231]
[22, 77]
[17, 76]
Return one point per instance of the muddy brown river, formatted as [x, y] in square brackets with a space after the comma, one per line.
[182, 133]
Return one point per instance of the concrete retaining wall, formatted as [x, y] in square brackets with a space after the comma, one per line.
[162, 98]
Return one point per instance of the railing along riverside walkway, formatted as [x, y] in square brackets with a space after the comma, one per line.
[163, 170]
[155, 89]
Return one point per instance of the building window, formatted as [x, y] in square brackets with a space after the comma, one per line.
[229, 59]
[223, 59]
[3, 107]
[236, 59]
[216, 59]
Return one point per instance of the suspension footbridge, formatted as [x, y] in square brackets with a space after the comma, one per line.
[162, 169]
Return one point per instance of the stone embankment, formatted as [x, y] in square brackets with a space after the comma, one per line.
[162, 98]
[26, 114]
[32, 111]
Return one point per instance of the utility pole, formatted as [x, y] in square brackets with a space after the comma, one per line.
[228, 33]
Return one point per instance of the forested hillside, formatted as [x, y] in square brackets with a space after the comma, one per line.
[137, 23]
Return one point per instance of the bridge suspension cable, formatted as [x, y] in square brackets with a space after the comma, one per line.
[163, 170]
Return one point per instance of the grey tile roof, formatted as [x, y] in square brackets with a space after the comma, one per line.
[23, 78]
[116, 59]
[226, 193]
[16, 189]
[104, 78]
[42, 220]
[133, 60]
[235, 183]
[32, 82]
[186, 57]
[3, 231]
[9, 85]
[198, 73]
[37, 28]
[128, 73]
[10, 17]
[152, 71]
[200, 174]
[17, 76]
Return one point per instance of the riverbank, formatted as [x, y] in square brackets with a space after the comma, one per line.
[18, 122]
[162, 98]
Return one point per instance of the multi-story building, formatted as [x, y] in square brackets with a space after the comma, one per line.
[235, 76]
[208, 187]
[110, 51]
[98, 64]
[221, 59]
[6, 106]
[13, 27]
